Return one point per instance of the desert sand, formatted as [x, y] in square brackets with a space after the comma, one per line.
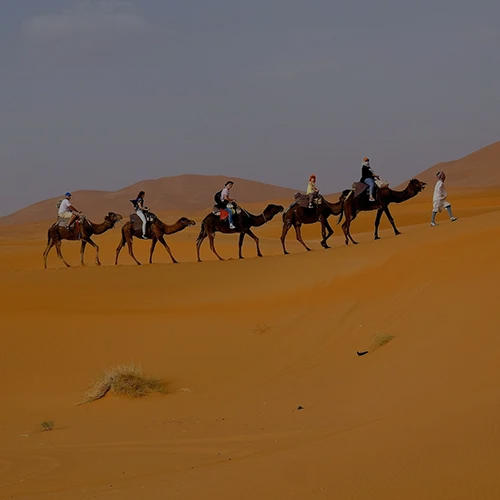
[242, 345]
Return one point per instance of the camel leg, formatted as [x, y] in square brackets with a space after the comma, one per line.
[161, 239]
[298, 233]
[199, 241]
[211, 238]
[91, 243]
[131, 251]
[256, 239]
[119, 248]
[152, 249]
[240, 245]
[286, 227]
[391, 220]
[82, 251]
[59, 253]
[326, 225]
[346, 227]
[380, 211]
[46, 253]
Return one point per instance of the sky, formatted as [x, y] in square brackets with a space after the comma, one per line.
[99, 94]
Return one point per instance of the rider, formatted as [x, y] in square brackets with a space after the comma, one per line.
[225, 198]
[368, 176]
[67, 210]
[139, 207]
[312, 190]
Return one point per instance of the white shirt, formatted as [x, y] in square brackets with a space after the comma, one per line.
[439, 192]
[224, 194]
[64, 207]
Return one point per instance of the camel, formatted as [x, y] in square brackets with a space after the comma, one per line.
[243, 222]
[384, 196]
[156, 231]
[83, 232]
[296, 216]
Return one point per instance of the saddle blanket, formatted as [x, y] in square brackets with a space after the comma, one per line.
[137, 222]
[303, 200]
[222, 213]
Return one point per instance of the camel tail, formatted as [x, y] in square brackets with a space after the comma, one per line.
[202, 232]
[345, 194]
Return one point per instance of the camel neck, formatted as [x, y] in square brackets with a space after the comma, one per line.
[100, 228]
[174, 228]
[406, 194]
[334, 208]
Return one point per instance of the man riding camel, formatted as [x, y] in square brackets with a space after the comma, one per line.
[68, 211]
[225, 200]
[368, 176]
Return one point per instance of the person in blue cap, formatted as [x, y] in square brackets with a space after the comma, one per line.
[67, 210]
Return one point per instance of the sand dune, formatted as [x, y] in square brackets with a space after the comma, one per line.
[241, 346]
[477, 170]
[187, 193]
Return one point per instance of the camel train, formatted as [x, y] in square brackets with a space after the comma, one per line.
[306, 209]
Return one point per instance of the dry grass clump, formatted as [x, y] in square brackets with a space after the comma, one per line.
[261, 329]
[47, 425]
[381, 340]
[123, 380]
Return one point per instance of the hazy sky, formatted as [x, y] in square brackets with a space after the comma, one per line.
[98, 94]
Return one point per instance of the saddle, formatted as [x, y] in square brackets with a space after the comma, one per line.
[361, 187]
[222, 213]
[303, 200]
[137, 222]
[62, 222]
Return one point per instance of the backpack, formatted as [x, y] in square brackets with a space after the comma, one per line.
[58, 204]
[218, 198]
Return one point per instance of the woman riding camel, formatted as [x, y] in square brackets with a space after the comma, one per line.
[312, 190]
[139, 207]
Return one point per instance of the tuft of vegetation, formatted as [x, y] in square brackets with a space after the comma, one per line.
[381, 340]
[123, 380]
[47, 425]
[260, 329]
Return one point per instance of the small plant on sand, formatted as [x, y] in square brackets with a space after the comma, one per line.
[381, 340]
[260, 329]
[123, 380]
[47, 425]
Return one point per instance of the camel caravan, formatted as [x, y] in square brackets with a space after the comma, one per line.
[227, 217]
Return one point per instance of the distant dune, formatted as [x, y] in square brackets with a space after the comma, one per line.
[477, 170]
[190, 193]
[194, 193]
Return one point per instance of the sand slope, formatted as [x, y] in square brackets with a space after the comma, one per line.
[183, 192]
[416, 418]
[477, 170]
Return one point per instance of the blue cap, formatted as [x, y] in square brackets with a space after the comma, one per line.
[68, 194]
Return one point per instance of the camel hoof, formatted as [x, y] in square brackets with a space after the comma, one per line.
[174, 262]
[398, 233]
[259, 255]
[354, 242]
[98, 263]
[377, 237]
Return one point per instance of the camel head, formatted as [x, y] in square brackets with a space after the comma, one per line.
[113, 218]
[272, 210]
[417, 185]
[184, 221]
